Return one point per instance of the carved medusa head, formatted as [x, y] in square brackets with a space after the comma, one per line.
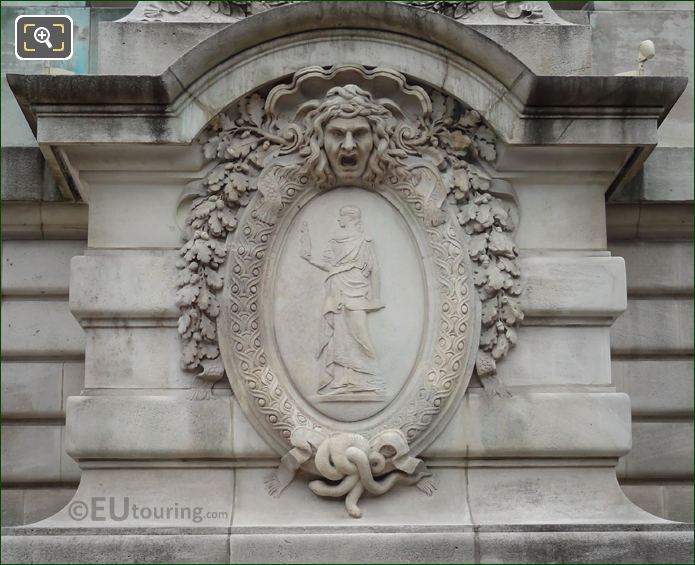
[348, 136]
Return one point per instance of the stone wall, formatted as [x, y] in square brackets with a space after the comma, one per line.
[649, 224]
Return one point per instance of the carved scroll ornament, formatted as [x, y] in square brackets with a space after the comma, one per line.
[421, 150]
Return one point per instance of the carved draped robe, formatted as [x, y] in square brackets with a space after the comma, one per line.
[348, 359]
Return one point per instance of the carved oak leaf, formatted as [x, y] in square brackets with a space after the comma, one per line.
[470, 119]
[185, 320]
[479, 180]
[207, 327]
[462, 185]
[255, 109]
[187, 295]
[501, 244]
[460, 141]
[466, 214]
[510, 266]
[214, 279]
[488, 314]
[501, 347]
[485, 142]
[496, 279]
[488, 337]
[478, 246]
[190, 357]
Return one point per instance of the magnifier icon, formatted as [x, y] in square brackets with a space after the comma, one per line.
[42, 35]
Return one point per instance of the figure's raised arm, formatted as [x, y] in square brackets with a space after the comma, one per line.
[305, 248]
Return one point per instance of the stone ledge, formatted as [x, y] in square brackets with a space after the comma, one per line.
[407, 545]
[44, 220]
[525, 426]
[143, 285]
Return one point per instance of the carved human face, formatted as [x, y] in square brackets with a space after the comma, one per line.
[348, 144]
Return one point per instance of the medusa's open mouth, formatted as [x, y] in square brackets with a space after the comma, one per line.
[348, 161]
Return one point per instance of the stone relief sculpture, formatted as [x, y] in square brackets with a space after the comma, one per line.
[273, 154]
[226, 11]
[348, 358]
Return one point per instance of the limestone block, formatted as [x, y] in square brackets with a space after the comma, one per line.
[666, 221]
[649, 497]
[556, 50]
[32, 390]
[137, 357]
[571, 355]
[656, 387]
[30, 454]
[667, 176]
[537, 425]
[73, 380]
[678, 502]
[206, 493]
[622, 221]
[584, 287]
[660, 450]
[573, 216]
[163, 43]
[148, 427]
[12, 507]
[44, 220]
[133, 548]
[40, 328]
[616, 38]
[35, 268]
[654, 326]
[69, 469]
[143, 285]
[140, 285]
[22, 173]
[595, 545]
[40, 503]
[254, 508]
[641, 6]
[527, 425]
[130, 215]
[656, 267]
[672, 501]
[21, 220]
[543, 495]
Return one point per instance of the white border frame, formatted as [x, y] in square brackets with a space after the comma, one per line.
[72, 38]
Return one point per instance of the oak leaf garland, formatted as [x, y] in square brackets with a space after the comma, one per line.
[243, 141]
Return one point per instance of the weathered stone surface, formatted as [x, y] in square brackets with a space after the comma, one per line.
[656, 387]
[12, 507]
[667, 176]
[672, 501]
[44, 220]
[137, 357]
[616, 38]
[32, 390]
[41, 503]
[37, 268]
[660, 450]
[573, 216]
[133, 548]
[31, 454]
[652, 326]
[205, 427]
[40, 328]
[656, 267]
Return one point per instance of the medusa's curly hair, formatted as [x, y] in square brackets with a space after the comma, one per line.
[349, 101]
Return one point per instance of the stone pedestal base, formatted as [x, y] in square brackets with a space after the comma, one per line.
[610, 543]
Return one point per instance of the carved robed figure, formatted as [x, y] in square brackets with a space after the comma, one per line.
[348, 358]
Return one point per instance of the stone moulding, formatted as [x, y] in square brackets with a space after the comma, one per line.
[185, 11]
[425, 154]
